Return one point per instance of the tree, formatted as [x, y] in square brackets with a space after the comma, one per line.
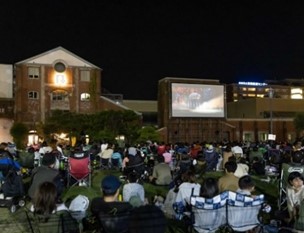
[148, 133]
[19, 132]
[105, 125]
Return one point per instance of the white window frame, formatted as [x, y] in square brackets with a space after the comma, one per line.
[33, 95]
[85, 97]
[33, 72]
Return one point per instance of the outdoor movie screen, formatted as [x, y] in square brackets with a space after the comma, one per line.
[197, 100]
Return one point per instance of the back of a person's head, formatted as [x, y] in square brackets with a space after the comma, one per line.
[231, 166]
[209, 188]
[160, 159]
[45, 198]
[48, 159]
[147, 219]
[109, 185]
[297, 156]
[246, 182]
[228, 148]
[188, 176]
[133, 177]
[232, 159]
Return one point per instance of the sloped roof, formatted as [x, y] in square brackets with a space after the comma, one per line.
[59, 53]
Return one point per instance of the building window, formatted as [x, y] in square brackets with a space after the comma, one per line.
[85, 75]
[33, 95]
[2, 110]
[59, 95]
[33, 72]
[85, 97]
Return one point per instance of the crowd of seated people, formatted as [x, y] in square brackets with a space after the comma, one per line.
[173, 167]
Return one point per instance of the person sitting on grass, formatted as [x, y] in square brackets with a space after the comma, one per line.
[186, 189]
[229, 182]
[161, 172]
[133, 188]
[46, 172]
[112, 215]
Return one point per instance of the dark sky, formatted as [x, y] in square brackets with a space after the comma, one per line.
[136, 43]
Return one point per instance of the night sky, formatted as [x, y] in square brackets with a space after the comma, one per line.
[137, 43]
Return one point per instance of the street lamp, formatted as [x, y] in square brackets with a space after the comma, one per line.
[271, 92]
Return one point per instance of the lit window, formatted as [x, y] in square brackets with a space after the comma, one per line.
[59, 95]
[33, 95]
[251, 89]
[296, 93]
[85, 97]
[85, 75]
[33, 72]
[244, 89]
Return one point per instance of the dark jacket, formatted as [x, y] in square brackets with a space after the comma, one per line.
[42, 174]
[112, 216]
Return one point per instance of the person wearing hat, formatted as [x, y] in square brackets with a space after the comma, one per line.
[211, 157]
[113, 215]
[46, 172]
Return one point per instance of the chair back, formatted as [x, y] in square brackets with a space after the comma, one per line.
[79, 166]
[209, 215]
[59, 222]
[243, 211]
[104, 163]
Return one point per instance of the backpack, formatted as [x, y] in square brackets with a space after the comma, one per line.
[13, 184]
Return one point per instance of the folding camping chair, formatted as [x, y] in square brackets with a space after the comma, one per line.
[79, 169]
[208, 215]
[243, 212]
[286, 170]
[105, 164]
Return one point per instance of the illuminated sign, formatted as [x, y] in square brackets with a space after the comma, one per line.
[60, 79]
[252, 84]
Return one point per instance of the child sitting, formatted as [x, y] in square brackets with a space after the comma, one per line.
[295, 194]
[246, 185]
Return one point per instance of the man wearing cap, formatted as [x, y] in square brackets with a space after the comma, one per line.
[46, 172]
[113, 215]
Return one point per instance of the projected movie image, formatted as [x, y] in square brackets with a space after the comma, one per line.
[197, 100]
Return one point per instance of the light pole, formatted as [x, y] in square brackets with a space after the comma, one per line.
[271, 92]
